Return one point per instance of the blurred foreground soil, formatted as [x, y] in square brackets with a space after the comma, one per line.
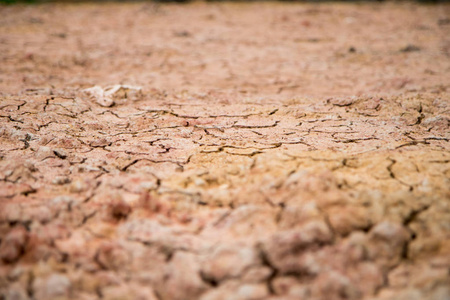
[272, 151]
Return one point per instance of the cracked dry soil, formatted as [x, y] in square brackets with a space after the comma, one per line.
[276, 151]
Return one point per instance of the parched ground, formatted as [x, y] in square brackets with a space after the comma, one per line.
[275, 151]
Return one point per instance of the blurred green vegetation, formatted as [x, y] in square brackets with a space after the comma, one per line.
[18, 1]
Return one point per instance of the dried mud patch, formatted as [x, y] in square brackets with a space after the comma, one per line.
[236, 171]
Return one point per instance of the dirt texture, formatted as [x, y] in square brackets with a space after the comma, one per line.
[225, 151]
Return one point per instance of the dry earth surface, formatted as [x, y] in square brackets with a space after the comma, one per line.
[275, 151]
